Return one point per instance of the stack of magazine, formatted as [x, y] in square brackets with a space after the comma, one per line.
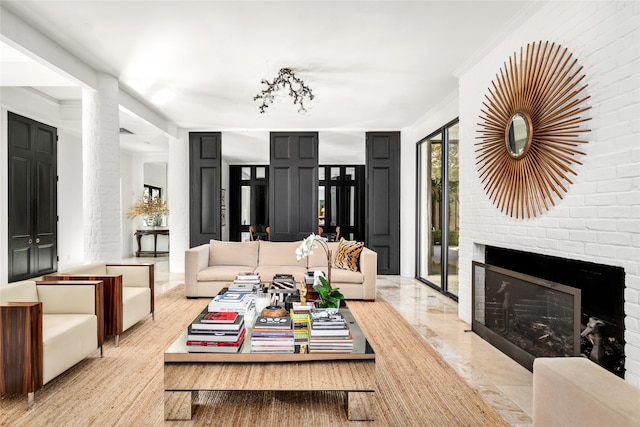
[216, 332]
[272, 335]
[329, 333]
[246, 282]
[239, 302]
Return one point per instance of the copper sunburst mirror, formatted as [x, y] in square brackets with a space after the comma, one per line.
[530, 128]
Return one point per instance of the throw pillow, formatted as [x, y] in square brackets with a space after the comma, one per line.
[348, 254]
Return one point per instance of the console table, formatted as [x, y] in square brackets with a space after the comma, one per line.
[155, 234]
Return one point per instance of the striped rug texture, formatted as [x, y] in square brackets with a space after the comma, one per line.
[125, 388]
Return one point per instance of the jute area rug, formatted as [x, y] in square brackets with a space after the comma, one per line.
[415, 386]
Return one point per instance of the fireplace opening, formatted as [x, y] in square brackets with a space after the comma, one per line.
[547, 291]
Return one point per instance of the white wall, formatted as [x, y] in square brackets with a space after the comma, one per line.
[70, 240]
[427, 124]
[599, 218]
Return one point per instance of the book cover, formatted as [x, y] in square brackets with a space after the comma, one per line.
[206, 343]
[219, 317]
[231, 297]
[208, 336]
[272, 333]
[282, 287]
[203, 329]
[200, 324]
[330, 332]
[280, 322]
[248, 275]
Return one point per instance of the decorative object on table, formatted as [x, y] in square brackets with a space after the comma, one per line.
[286, 81]
[303, 296]
[328, 297]
[280, 287]
[530, 128]
[152, 209]
[273, 311]
[306, 249]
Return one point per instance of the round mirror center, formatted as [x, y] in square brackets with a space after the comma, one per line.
[518, 135]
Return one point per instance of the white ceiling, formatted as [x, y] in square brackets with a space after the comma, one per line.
[373, 65]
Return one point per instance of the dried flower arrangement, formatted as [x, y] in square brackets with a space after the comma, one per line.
[153, 209]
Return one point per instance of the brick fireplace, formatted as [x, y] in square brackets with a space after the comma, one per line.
[531, 305]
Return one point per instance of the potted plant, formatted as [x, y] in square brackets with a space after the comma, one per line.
[328, 297]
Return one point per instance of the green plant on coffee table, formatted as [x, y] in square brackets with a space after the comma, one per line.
[328, 297]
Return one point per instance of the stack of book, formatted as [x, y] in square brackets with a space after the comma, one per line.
[272, 335]
[216, 332]
[246, 282]
[300, 318]
[239, 302]
[329, 333]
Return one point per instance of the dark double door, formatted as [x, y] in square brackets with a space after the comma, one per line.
[32, 192]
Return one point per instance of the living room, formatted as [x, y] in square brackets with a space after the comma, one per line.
[596, 221]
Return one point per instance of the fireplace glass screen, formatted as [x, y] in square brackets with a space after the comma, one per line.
[524, 316]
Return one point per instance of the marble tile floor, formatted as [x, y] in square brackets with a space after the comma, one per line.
[503, 383]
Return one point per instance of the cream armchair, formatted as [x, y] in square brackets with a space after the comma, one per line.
[128, 292]
[46, 328]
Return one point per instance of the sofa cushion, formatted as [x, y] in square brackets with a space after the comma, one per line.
[318, 259]
[132, 275]
[136, 304]
[234, 253]
[218, 273]
[348, 254]
[66, 339]
[339, 275]
[96, 269]
[278, 253]
[24, 291]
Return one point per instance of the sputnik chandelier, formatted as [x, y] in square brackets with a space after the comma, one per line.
[285, 80]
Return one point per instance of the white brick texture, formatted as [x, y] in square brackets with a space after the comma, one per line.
[599, 218]
[101, 172]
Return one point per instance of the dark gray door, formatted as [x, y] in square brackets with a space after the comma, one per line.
[205, 176]
[383, 199]
[32, 203]
[293, 185]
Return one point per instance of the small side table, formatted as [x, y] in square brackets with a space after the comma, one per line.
[155, 234]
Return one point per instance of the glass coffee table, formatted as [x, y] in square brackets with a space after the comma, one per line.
[353, 373]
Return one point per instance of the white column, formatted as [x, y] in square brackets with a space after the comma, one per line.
[101, 171]
[178, 198]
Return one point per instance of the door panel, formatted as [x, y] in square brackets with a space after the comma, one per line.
[205, 176]
[383, 201]
[293, 185]
[33, 219]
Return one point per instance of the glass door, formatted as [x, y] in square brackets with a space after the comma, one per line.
[437, 245]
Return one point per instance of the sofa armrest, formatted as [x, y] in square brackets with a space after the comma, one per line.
[577, 391]
[196, 259]
[74, 297]
[136, 275]
[369, 268]
[21, 357]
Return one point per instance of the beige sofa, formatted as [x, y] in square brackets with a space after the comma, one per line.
[46, 328]
[574, 391]
[212, 266]
[129, 291]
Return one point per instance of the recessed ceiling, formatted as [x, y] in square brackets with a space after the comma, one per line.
[373, 65]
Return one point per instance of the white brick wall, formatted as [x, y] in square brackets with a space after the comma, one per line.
[101, 172]
[599, 218]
